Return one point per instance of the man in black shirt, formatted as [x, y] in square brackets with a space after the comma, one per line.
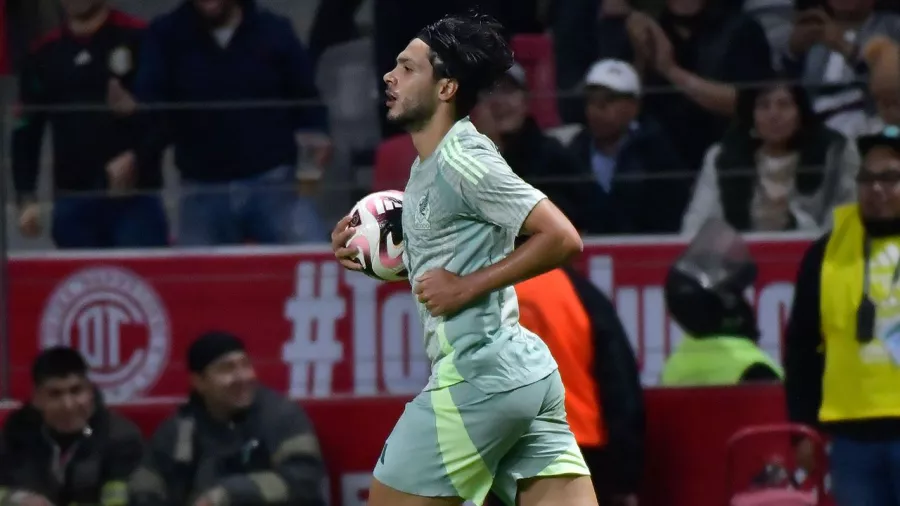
[89, 61]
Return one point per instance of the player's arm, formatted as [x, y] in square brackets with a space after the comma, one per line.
[499, 196]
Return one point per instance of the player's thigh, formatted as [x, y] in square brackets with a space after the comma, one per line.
[449, 443]
[561, 490]
[382, 495]
[546, 460]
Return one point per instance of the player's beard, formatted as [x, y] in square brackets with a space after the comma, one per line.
[414, 115]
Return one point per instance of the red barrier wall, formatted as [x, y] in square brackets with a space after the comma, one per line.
[350, 349]
[686, 435]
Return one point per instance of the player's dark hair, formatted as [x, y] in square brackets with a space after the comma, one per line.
[469, 49]
[57, 362]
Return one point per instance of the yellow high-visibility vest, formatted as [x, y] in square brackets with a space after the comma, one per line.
[719, 360]
[861, 380]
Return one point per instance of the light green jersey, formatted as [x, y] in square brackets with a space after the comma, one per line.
[463, 208]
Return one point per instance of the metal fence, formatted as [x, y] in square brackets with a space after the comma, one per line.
[346, 178]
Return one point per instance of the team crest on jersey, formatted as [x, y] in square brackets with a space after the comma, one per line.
[423, 210]
[120, 61]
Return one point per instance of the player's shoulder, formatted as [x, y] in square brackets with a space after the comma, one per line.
[476, 143]
[468, 154]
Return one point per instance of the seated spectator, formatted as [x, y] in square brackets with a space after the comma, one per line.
[234, 443]
[536, 157]
[824, 53]
[779, 168]
[65, 447]
[630, 164]
[882, 56]
[90, 60]
[238, 164]
[703, 51]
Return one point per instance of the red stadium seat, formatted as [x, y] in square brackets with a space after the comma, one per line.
[392, 162]
[535, 54]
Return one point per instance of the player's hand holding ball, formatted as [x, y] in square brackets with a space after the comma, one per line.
[370, 238]
[339, 236]
[442, 292]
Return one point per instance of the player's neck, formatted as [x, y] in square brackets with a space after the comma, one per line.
[427, 139]
[90, 23]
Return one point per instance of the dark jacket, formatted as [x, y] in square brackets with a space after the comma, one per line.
[821, 165]
[268, 455]
[107, 452]
[726, 46]
[264, 62]
[649, 191]
[804, 356]
[618, 467]
[545, 164]
[63, 71]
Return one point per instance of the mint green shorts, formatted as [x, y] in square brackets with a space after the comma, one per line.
[459, 442]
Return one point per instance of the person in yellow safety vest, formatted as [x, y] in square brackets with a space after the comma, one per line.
[842, 344]
[704, 294]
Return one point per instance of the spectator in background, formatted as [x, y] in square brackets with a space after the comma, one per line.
[824, 53]
[703, 50]
[604, 397]
[882, 56]
[238, 164]
[778, 168]
[65, 447]
[628, 162]
[398, 21]
[537, 158]
[585, 31]
[233, 443]
[841, 342]
[90, 60]
[704, 293]
[775, 17]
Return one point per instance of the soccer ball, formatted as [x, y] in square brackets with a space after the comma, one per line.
[379, 235]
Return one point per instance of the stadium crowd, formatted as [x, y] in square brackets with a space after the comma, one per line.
[741, 110]
[643, 117]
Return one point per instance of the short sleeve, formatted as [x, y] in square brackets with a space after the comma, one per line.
[489, 187]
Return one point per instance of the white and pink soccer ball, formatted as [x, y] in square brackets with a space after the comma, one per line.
[378, 240]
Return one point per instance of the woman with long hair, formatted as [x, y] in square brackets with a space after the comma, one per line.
[777, 168]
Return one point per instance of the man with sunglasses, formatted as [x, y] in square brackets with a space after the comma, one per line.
[842, 357]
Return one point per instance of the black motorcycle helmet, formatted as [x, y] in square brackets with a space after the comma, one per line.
[704, 289]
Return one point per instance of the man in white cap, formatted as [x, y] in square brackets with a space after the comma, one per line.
[628, 154]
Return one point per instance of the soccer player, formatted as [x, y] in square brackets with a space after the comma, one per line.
[492, 415]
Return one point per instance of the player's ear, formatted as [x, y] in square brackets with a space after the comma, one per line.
[448, 89]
